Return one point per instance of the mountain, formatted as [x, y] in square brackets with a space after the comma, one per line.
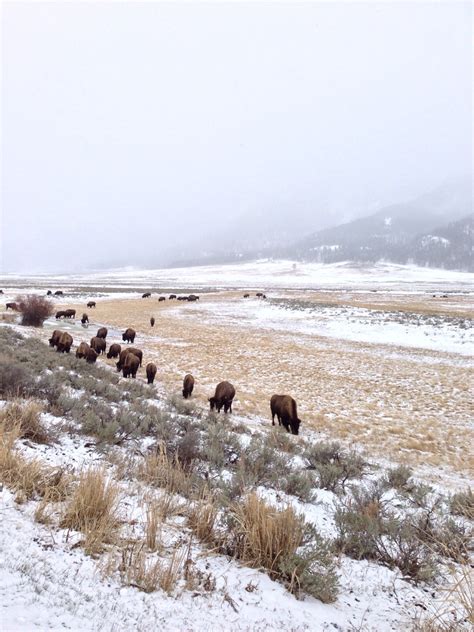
[412, 231]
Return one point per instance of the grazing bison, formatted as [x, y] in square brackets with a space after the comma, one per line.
[188, 385]
[123, 355]
[48, 293]
[55, 336]
[150, 372]
[91, 356]
[223, 396]
[284, 407]
[161, 299]
[91, 304]
[64, 343]
[102, 333]
[1, 291]
[60, 314]
[84, 319]
[114, 351]
[130, 365]
[246, 295]
[264, 296]
[82, 350]
[193, 297]
[98, 344]
[70, 313]
[172, 296]
[129, 335]
[59, 293]
[13, 306]
[152, 321]
[259, 294]
[146, 295]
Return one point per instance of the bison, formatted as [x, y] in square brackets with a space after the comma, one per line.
[13, 306]
[246, 295]
[161, 299]
[48, 293]
[98, 344]
[55, 336]
[152, 321]
[223, 396]
[114, 351]
[193, 297]
[123, 355]
[284, 407]
[188, 385]
[64, 343]
[91, 304]
[59, 293]
[84, 319]
[129, 335]
[146, 295]
[82, 349]
[102, 333]
[130, 365]
[60, 314]
[172, 296]
[150, 372]
[70, 313]
[91, 356]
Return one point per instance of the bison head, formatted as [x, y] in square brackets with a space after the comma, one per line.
[212, 402]
[295, 426]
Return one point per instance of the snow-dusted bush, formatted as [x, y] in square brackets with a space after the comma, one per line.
[34, 309]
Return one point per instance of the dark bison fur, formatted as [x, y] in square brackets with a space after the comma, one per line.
[102, 333]
[223, 396]
[129, 335]
[91, 304]
[55, 336]
[98, 344]
[150, 372]
[64, 343]
[188, 385]
[284, 407]
[130, 365]
[114, 351]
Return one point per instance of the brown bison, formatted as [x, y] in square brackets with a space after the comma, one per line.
[130, 365]
[49, 293]
[146, 295]
[284, 407]
[188, 385]
[64, 343]
[60, 314]
[55, 336]
[13, 306]
[152, 321]
[161, 299]
[246, 295]
[114, 351]
[70, 313]
[91, 356]
[98, 344]
[193, 297]
[223, 396]
[91, 304]
[59, 293]
[82, 349]
[123, 355]
[102, 333]
[150, 372]
[129, 335]
[172, 296]
[84, 319]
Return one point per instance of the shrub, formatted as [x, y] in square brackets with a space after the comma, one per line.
[399, 477]
[462, 504]
[26, 417]
[333, 465]
[34, 309]
[15, 379]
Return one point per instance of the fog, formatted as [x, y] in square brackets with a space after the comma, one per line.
[135, 133]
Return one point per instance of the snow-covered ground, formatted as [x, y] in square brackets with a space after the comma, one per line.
[269, 274]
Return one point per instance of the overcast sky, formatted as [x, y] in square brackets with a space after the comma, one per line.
[132, 128]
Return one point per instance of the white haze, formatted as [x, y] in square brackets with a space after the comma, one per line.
[133, 132]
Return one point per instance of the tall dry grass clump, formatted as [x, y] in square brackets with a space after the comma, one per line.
[34, 309]
[26, 417]
[202, 520]
[165, 471]
[92, 509]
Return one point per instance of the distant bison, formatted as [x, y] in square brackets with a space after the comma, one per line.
[123, 354]
[259, 294]
[150, 372]
[172, 296]
[13, 306]
[55, 336]
[246, 295]
[284, 407]
[64, 343]
[193, 297]
[98, 344]
[60, 314]
[152, 321]
[59, 293]
[146, 295]
[102, 333]
[91, 355]
[223, 396]
[84, 319]
[130, 365]
[48, 293]
[114, 351]
[82, 350]
[129, 335]
[91, 304]
[188, 385]
[161, 299]
[70, 313]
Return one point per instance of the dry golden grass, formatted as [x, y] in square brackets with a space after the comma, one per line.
[202, 518]
[92, 509]
[153, 524]
[348, 390]
[164, 471]
[26, 416]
